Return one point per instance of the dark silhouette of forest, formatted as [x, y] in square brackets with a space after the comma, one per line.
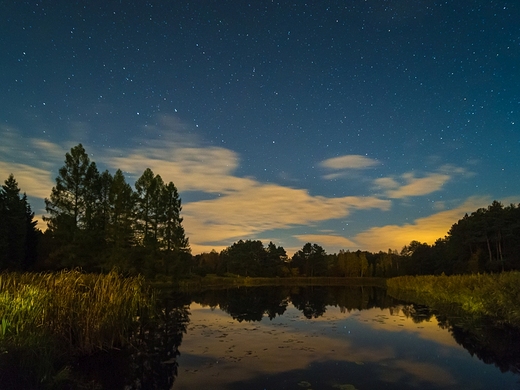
[97, 221]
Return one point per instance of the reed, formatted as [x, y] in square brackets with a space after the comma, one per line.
[494, 295]
[79, 312]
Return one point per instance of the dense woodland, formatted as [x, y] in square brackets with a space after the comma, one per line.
[97, 221]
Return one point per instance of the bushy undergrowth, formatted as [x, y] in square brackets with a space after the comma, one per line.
[46, 317]
[496, 295]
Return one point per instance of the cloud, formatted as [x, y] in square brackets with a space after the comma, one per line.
[242, 207]
[263, 207]
[345, 165]
[33, 181]
[16, 149]
[413, 186]
[427, 229]
[190, 168]
[352, 161]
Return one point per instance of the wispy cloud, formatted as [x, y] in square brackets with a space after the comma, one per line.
[266, 207]
[352, 161]
[344, 165]
[242, 206]
[35, 152]
[35, 182]
[408, 185]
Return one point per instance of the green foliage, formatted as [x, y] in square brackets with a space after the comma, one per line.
[311, 260]
[486, 240]
[85, 312]
[250, 258]
[495, 295]
[44, 317]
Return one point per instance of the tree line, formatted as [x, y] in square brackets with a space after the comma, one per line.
[487, 240]
[97, 221]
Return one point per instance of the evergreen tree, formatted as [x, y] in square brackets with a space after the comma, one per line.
[311, 260]
[18, 232]
[173, 237]
[73, 208]
[121, 201]
[148, 209]
[275, 263]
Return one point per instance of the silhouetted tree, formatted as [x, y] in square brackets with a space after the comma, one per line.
[310, 260]
[18, 232]
[71, 206]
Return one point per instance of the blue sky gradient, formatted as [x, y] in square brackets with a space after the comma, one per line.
[355, 125]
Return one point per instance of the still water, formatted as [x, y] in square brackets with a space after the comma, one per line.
[313, 338]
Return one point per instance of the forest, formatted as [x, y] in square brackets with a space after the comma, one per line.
[97, 222]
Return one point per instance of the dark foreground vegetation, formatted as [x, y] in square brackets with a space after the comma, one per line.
[49, 319]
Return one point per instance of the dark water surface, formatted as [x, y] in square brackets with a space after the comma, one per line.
[319, 338]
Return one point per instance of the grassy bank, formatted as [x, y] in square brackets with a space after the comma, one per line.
[494, 295]
[48, 318]
[214, 281]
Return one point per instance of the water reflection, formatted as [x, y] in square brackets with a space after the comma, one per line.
[325, 337]
[150, 362]
[311, 338]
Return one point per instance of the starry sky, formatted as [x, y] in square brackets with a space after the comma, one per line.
[360, 124]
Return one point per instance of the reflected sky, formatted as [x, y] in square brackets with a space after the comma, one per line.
[365, 349]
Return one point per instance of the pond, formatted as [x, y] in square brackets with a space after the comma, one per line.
[318, 338]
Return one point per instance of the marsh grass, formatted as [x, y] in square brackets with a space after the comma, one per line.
[51, 316]
[493, 295]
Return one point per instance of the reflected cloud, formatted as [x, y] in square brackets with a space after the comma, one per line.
[423, 372]
[217, 349]
[395, 321]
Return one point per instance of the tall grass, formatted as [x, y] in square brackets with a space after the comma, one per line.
[495, 295]
[54, 316]
[84, 312]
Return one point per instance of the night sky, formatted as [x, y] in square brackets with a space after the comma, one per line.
[360, 124]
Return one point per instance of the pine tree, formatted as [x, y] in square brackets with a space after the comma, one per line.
[18, 232]
[172, 232]
[73, 207]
